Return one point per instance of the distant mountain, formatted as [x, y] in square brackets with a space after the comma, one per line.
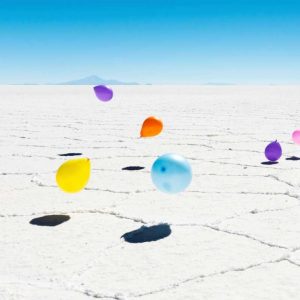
[219, 83]
[94, 80]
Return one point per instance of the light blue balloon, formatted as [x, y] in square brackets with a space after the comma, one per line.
[171, 173]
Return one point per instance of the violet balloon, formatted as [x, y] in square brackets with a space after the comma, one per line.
[273, 151]
[296, 136]
[103, 93]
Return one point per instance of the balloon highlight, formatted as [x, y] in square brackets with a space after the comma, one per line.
[73, 175]
[171, 173]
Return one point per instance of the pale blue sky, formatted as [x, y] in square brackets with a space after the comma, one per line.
[157, 41]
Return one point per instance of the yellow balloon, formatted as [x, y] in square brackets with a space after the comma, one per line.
[73, 175]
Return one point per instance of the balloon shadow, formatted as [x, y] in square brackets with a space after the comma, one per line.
[50, 220]
[133, 168]
[148, 234]
[70, 154]
[269, 163]
[294, 158]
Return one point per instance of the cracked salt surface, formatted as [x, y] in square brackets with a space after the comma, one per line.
[235, 231]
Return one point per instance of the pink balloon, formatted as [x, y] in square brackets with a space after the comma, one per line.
[296, 136]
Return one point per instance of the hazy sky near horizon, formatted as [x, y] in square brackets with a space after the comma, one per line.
[151, 41]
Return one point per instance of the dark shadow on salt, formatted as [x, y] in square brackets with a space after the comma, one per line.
[148, 234]
[133, 168]
[50, 220]
[294, 158]
[70, 154]
[269, 163]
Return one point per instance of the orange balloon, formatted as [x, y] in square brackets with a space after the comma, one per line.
[151, 127]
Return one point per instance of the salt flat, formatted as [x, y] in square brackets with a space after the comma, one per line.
[235, 230]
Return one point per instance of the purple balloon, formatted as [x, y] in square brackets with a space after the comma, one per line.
[273, 151]
[103, 93]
